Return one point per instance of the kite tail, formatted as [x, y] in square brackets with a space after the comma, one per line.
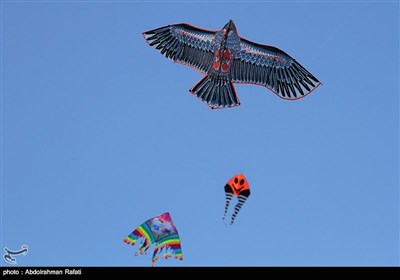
[140, 234]
[169, 247]
[228, 198]
[216, 91]
[241, 200]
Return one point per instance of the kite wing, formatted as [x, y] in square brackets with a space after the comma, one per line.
[237, 186]
[184, 44]
[273, 68]
[160, 231]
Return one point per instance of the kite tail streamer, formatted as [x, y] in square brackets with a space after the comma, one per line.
[142, 235]
[239, 204]
[228, 198]
[168, 247]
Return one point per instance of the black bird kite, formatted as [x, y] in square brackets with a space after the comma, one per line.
[225, 58]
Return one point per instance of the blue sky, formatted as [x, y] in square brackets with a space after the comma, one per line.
[99, 133]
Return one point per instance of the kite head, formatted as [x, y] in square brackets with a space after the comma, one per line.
[230, 26]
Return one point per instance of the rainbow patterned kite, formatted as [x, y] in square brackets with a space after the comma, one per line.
[162, 232]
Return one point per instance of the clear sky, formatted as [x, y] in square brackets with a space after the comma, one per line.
[100, 133]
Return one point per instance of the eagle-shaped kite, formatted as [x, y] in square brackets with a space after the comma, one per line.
[225, 58]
